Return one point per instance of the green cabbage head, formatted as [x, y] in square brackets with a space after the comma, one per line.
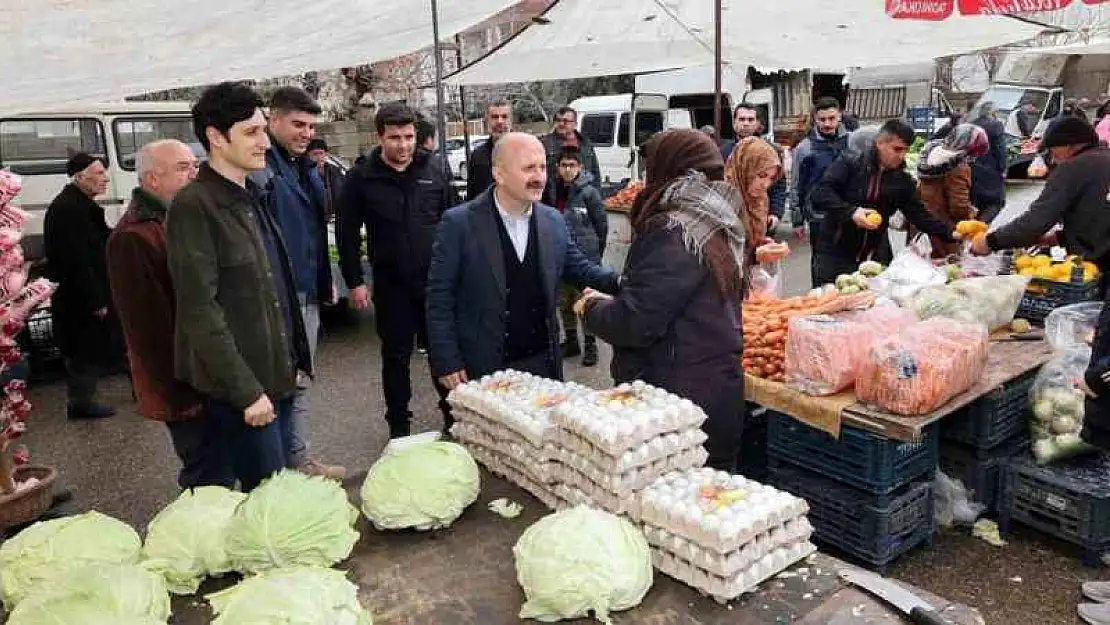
[581, 560]
[423, 486]
[46, 549]
[297, 596]
[121, 590]
[292, 520]
[185, 541]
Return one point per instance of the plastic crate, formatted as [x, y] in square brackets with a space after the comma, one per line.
[753, 444]
[982, 476]
[36, 341]
[858, 458]
[1069, 500]
[854, 522]
[994, 418]
[1043, 296]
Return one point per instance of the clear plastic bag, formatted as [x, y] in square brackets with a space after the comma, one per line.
[992, 301]
[917, 370]
[1038, 168]
[765, 280]
[1072, 326]
[908, 273]
[1059, 407]
[952, 502]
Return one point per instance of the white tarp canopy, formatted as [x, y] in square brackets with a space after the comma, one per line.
[57, 51]
[605, 37]
[1095, 46]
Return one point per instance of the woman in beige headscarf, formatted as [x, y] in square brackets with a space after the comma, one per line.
[752, 168]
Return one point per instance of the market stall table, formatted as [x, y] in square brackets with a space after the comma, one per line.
[465, 575]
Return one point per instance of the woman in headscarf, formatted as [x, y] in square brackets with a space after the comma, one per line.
[676, 322]
[752, 168]
[988, 174]
[944, 174]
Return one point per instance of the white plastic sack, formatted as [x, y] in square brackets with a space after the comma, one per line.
[1072, 326]
[905, 276]
[1059, 407]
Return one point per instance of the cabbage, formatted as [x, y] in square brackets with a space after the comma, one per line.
[290, 596]
[109, 589]
[579, 560]
[46, 549]
[185, 541]
[291, 519]
[426, 486]
[74, 614]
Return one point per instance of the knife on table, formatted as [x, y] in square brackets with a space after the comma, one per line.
[917, 609]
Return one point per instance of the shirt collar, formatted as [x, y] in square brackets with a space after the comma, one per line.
[507, 216]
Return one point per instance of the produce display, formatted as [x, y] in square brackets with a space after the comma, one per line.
[185, 541]
[423, 486]
[991, 301]
[292, 519]
[971, 228]
[581, 561]
[120, 590]
[1059, 407]
[296, 595]
[1043, 267]
[1071, 326]
[626, 196]
[44, 551]
[917, 370]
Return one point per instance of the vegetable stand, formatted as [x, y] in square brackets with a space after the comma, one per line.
[465, 575]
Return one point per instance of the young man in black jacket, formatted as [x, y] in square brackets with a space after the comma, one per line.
[479, 169]
[398, 194]
[874, 180]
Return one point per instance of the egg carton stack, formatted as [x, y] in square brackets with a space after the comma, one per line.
[722, 534]
[608, 445]
[503, 420]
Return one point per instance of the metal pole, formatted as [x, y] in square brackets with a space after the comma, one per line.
[717, 69]
[441, 121]
[462, 101]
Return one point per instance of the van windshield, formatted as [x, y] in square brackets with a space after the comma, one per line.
[132, 133]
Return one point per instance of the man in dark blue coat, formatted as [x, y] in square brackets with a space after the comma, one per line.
[497, 263]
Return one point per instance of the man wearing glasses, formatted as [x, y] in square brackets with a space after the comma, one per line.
[566, 138]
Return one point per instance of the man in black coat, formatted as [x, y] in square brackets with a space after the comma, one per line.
[479, 169]
[988, 173]
[75, 235]
[398, 194]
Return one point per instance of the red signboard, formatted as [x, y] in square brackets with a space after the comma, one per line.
[995, 7]
[1094, 1]
[935, 10]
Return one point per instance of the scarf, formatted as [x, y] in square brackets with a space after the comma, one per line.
[752, 157]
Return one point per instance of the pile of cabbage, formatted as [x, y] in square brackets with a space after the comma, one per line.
[423, 486]
[579, 561]
[185, 541]
[294, 595]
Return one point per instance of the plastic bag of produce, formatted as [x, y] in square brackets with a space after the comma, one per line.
[1058, 407]
[905, 276]
[991, 301]
[291, 520]
[45, 550]
[1071, 326]
[581, 560]
[120, 590]
[917, 370]
[765, 279]
[296, 595]
[424, 486]
[185, 541]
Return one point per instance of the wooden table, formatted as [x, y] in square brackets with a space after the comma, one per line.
[465, 575]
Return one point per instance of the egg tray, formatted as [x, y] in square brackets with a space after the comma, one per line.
[523, 457]
[476, 398]
[724, 589]
[729, 564]
[502, 431]
[650, 452]
[500, 466]
[569, 481]
[627, 483]
[568, 496]
[616, 429]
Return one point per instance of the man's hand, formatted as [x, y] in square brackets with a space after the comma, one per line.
[260, 413]
[453, 380]
[1050, 239]
[800, 233]
[360, 297]
[101, 313]
[860, 219]
[979, 245]
[772, 224]
[587, 295]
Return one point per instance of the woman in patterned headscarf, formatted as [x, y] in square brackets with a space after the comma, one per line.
[752, 168]
[676, 321]
[944, 174]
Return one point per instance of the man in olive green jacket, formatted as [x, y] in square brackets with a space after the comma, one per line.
[239, 338]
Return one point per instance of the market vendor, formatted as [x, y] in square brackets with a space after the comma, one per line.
[676, 322]
[1075, 194]
[856, 199]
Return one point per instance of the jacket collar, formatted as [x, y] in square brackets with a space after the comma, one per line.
[146, 206]
[225, 190]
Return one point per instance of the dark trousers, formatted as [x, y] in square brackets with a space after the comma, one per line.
[82, 378]
[255, 453]
[988, 212]
[399, 314]
[199, 446]
[826, 267]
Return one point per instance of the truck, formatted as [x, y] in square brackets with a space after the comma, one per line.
[876, 94]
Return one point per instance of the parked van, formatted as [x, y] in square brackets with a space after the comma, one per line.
[37, 145]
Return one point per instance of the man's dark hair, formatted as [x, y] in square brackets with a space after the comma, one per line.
[424, 130]
[221, 107]
[497, 104]
[825, 103]
[394, 114]
[570, 154]
[563, 110]
[294, 100]
[900, 129]
[747, 106]
[317, 144]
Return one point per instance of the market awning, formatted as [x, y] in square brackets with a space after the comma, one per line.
[583, 38]
[1096, 46]
[58, 51]
[937, 10]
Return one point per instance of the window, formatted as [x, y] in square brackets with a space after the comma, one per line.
[132, 133]
[43, 146]
[598, 128]
[647, 124]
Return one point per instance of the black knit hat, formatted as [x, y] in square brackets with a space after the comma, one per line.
[317, 144]
[79, 162]
[1069, 131]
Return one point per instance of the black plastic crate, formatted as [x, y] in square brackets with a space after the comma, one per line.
[1069, 500]
[858, 458]
[1043, 296]
[994, 418]
[983, 476]
[753, 444]
[855, 522]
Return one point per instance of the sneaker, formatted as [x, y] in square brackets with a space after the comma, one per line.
[92, 411]
[1095, 613]
[1098, 592]
[315, 467]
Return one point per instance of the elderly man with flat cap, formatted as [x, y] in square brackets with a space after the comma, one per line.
[75, 235]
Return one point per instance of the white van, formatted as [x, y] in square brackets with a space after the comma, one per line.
[37, 145]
